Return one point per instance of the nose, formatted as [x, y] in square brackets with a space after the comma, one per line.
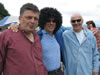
[51, 22]
[76, 22]
[32, 20]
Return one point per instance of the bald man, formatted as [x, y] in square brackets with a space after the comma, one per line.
[81, 54]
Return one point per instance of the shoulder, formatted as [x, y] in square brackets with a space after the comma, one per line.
[39, 32]
[67, 32]
[58, 35]
[6, 32]
[90, 35]
[59, 32]
[89, 32]
[5, 35]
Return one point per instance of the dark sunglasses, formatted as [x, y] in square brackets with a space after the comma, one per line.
[51, 20]
[78, 20]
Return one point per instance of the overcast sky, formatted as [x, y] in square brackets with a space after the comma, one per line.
[89, 9]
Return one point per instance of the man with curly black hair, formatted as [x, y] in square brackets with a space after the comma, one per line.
[50, 13]
[50, 21]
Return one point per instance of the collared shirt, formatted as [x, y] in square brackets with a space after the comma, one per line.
[51, 51]
[23, 56]
[81, 59]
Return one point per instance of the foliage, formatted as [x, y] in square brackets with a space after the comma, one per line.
[3, 11]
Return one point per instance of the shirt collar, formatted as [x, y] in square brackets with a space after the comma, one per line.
[44, 32]
[84, 31]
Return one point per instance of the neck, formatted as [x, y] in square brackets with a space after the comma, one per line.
[51, 34]
[30, 36]
[78, 30]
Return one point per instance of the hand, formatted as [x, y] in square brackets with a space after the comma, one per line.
[62, 66]
[95, 73]
[14, 27]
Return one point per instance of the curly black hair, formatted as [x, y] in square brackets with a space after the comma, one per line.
[47, 13]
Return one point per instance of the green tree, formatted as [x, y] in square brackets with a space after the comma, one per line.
[3, 11]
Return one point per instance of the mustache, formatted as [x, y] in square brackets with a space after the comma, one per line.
[32, 24]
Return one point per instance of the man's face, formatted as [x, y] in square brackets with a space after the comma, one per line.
[77, 21]
[28, 21]
[90, 26]
[50, 25]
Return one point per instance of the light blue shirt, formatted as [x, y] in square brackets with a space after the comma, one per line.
[51, 51]
[80, 59]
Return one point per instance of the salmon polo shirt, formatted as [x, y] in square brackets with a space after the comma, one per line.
[23, 57]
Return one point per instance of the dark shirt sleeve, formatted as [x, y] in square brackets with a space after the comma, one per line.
[2, 50]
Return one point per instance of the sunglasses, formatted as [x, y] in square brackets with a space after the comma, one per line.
[78, 20]
[51, 20]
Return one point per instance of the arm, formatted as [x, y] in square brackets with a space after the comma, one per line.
[59, 38]
[14, 27]
[2, 51]
[95, 58]
[95, 73]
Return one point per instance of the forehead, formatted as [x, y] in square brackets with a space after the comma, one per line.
[76, 16]
[89, 24]
[30, 13]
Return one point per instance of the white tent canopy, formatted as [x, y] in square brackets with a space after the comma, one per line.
[9, 20]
